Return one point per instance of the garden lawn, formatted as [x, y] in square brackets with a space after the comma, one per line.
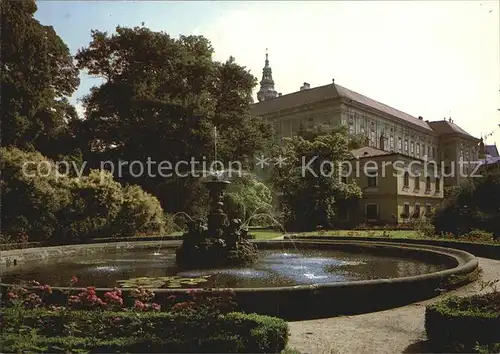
[259, 234]
[409, 234]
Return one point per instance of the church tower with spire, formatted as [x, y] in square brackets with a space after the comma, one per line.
[267, 91]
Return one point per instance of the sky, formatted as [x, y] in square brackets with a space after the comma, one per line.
[433, 59]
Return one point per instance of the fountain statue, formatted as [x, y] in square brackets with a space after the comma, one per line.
[221, 242]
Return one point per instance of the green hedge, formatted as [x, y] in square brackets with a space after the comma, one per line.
[107, 331]
[464, 320]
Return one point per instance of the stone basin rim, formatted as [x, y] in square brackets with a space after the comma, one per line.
[466, 264]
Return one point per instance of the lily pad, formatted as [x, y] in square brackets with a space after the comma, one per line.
[174, 285]
[161, 282]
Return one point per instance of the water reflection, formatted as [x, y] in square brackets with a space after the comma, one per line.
[274, 268]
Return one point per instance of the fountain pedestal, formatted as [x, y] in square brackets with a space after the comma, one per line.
[219, 243]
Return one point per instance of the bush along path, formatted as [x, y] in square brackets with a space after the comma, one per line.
[398, 330]
[196, 323]
[465, 324]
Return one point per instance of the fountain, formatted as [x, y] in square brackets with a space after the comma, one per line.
[220, 243]
[286, 278]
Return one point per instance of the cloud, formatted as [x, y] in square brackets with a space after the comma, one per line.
[424, 58]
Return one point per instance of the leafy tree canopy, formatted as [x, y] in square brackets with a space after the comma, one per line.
[37, 76]
[475, 205]
[249, 196]
[309, 179]
[161, 99]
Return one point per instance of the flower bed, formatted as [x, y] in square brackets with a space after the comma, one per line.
[464, 321]
[200, 323]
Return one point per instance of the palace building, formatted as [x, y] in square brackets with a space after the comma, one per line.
[389, 133]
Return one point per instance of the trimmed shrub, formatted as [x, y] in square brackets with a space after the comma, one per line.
[464, 320]
[147, 331]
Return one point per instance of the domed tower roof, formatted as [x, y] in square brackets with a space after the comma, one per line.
[267, 90]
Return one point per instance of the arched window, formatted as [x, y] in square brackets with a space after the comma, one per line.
[438, 184]
[406, 179]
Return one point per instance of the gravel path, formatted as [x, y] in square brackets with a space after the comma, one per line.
[399, 330]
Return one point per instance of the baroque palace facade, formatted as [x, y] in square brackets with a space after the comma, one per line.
[391, 135]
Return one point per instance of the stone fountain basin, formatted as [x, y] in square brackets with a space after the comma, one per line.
[301, 301]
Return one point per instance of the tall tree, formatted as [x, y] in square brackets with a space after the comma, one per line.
[37, 75]
[309, 179]
[161, 99]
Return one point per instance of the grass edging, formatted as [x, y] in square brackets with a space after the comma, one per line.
[466, 321]
[486, 250]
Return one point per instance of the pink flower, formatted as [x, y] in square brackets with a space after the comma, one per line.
[155, 306]
[114, 298]
[139, 305]
[33, 300]
[73, 280]
[11, 295]
[182, 306]
[47, 289]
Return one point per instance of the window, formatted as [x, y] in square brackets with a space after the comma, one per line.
[373, 138]
[406, 210]
[417, 183]
[406, 180]
[400, 144]
[416, 212]
[428, 210]
[438, 184]
[391, 143]
[362, 128]
[406, 145]
[427, 184]
[371, 178]
[344, 179]
[412, 148]
[372, 211]
[418, 150]
[429, 151]
[372, 181]
[423, 149]
[434, 153]
[351, 126]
